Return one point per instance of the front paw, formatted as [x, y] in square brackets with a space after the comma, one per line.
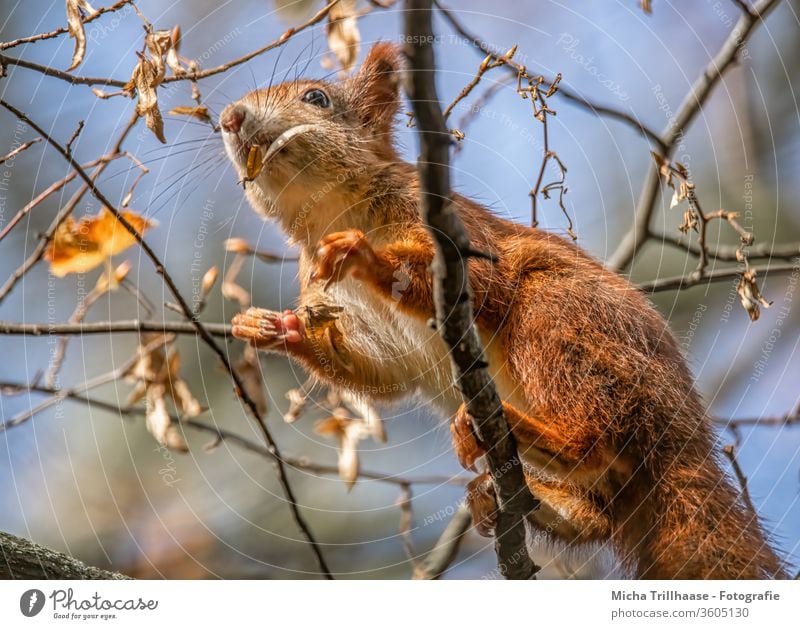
[267, 329]
[465, 441]
[343, 253]
[482, 504]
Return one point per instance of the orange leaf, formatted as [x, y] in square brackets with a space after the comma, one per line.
[80, 247]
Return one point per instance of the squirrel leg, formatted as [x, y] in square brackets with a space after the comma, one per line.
[314, 341]
[566, 510]
[349, 253]
[398, 272]
[535, 438]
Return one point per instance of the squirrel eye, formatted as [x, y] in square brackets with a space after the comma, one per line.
[317, 97]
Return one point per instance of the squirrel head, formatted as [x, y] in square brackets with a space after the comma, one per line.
[315, 138]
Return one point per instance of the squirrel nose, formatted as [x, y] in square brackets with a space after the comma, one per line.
[232, 118]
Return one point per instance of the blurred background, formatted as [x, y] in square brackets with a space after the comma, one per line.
[85, 481]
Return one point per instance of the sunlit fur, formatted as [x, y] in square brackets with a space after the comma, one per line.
[617, 441]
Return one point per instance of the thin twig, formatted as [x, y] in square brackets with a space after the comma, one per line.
[18, 150]
[111, 327]
[62, 394]
[192, 76]
[715, 275]
[60, 31]
[731, 454]
[404, 502]
[74, 137]
[479, 103]
[201, 330]
[60, 74]
[221, 434]
[444, 552]
[202, 74]
[727, 253]
[603, 110]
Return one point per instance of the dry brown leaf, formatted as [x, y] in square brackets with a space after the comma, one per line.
[750, 295]
[112, 278]
[200, 112]
[76, 30]
[249, 371]
[173, 58]
[347, 432]
[179, 391]
[160, 424]
[158, 43]
[231, 290]
[145, 79]
[373, 422]
[208, 281]
[237, 245]
[343, 34]
[80, 247]
[646, 7]
[156, 376]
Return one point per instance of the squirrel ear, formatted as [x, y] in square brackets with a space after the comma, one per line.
[377, 85]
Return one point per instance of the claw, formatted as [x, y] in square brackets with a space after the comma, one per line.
[339, 254]
[465, 442]
[482, 503]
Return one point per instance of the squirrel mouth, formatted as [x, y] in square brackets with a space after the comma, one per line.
[276, 145]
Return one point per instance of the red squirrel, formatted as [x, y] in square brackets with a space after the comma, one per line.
[615, 441]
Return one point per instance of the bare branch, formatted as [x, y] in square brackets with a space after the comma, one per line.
[18, 150]
[716, 275]
[60, 74]
[202, 74]
[60, 31]
[441, 557]
[687, 111]
[729, 452]
[454, 303]
[571, 96]
[758, 251]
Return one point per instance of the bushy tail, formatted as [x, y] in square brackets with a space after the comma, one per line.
[695, 526]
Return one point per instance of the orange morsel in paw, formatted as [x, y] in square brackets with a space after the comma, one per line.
[342, 253]
[465, 441]
[482, 504]
[267, 328]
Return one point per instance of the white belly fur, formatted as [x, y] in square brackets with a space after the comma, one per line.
[408, 356]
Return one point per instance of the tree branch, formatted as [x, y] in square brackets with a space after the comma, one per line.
[111, 327]
[444, 552]
[688, 110]
[22, 559]
[454, 303]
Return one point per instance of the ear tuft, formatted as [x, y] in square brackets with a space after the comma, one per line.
[377, 86]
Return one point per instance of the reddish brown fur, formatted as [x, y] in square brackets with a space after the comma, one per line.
[617, 441]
